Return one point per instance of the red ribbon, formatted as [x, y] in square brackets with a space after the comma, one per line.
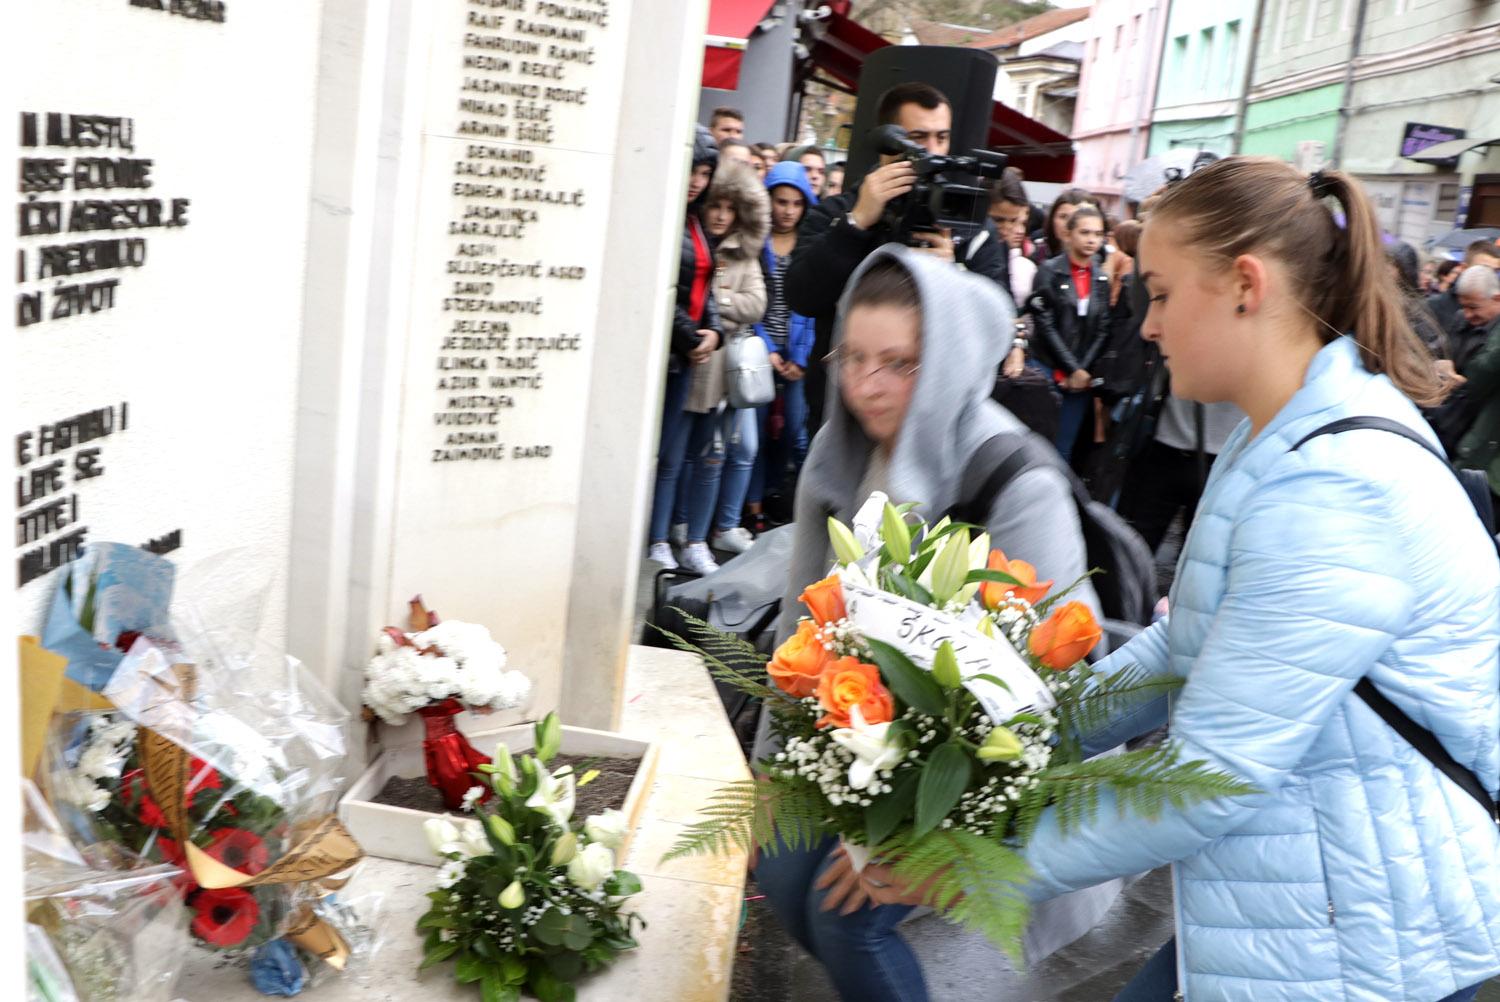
[450, 758]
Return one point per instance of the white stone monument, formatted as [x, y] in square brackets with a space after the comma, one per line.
[160, 227]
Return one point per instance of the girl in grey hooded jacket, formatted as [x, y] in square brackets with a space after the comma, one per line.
[964, 324]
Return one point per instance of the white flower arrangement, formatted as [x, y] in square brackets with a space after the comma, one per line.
[101, 756]
[451, 660]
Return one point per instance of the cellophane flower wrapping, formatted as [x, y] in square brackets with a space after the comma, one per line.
[105, 930]
[266, 747]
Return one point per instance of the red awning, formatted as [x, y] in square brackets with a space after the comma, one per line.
[838, 45]
[730, 23]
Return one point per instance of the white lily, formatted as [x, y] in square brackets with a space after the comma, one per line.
[466, 838]
[554, 796]
[872, 747]
[608, 828]
[592, 866]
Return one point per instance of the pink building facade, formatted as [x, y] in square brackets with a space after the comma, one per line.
[1116, 93]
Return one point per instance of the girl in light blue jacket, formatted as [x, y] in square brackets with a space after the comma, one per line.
[1359, 872]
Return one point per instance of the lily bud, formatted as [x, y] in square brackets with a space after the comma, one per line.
[1001, 745]
[502, 830]
[565, 849]
[845, 547]
[513, 896]
[945, 667]
[548, 737]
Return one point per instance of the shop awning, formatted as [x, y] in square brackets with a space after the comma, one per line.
[730, 23]
[1440, 153]
[837, 46]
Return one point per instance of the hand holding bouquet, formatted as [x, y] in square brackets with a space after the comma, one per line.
[930, 711]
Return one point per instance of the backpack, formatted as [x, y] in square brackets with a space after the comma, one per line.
[742, 598]
[1126, 585]
[1476, 485]
[748, 380]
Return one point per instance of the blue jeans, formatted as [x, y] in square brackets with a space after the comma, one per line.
[1077, 410]
[676, 426]
[716, 472]
[789, 450]
[865, 957]
[1158, 980]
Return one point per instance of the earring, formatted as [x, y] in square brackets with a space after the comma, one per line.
[1240, 308]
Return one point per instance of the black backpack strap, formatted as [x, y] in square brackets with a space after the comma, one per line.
[1412, 732]
[1423, 741]
[997, 461]
[1475, 484]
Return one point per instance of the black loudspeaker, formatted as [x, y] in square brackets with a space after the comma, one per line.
[965, 76]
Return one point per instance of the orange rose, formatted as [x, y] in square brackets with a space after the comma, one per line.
[848, 683]
[799, 663]
[1066, 636]
[993, 593]
[825, 600]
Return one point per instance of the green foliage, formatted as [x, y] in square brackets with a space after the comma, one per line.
[913, 686]
[944, 779]
[1145, 782]
[974, 881]
[888, 812]
[1096, 700]
[728, 658]
[762, 812]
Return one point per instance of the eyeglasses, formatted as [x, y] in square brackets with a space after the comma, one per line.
[856, 370]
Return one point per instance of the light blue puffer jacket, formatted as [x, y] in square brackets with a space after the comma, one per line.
[1360, 873]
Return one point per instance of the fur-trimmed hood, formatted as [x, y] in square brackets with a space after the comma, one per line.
[752, 210]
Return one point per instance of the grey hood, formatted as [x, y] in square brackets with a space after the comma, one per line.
[966, 324]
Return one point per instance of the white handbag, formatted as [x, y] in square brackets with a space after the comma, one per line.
[748, 377]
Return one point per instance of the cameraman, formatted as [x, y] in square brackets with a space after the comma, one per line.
[842, 230]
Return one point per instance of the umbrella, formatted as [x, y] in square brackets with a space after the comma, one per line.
[1457, 240]
[1151, 173]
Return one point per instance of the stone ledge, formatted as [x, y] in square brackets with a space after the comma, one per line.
[691, 906]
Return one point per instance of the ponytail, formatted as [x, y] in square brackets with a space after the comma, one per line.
[1260, 205]
[1365, 301]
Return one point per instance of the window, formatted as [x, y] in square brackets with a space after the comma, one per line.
[1310, 22]
[1179, 66]
[1205, 57]
[1231, 58]
[1119, 33]
[1447, 203]
[1135, 31]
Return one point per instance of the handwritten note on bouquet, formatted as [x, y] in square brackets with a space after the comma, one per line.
[917, 631]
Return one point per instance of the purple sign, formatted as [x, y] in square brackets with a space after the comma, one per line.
[1418, 136]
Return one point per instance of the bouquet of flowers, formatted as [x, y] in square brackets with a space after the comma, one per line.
[438, 669]
[929, 711]
[528, 900]
[223, 758]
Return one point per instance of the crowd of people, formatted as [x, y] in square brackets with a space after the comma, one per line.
[1205, 362]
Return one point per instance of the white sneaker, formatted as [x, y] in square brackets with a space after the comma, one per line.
[661, 553]
[736, 540]
[678, 536]
[697, 558]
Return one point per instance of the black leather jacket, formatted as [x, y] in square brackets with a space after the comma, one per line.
[1064, 340]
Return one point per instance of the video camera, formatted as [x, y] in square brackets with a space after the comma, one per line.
[937, 201]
